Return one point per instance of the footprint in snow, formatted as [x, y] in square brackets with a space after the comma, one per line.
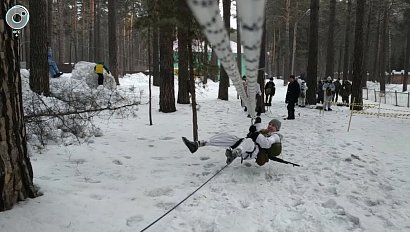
[167, 138]
[157, 192]
[210, 165]
[134, 220]
[165, 205]
[96, 197]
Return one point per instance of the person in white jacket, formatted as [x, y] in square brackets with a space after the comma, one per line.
[246, 148]
[329, 89]
[302, 95]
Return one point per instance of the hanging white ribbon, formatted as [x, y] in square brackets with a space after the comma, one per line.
[251, 15]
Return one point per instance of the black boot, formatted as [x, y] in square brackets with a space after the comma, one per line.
[229, 156]
[192, 146]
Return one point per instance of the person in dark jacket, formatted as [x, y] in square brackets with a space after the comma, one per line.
[269, 91]
[338, 86]
[292, 96]
[320, 92]
[345, 92]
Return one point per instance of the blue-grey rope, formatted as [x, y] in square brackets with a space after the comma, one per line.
[185, 198]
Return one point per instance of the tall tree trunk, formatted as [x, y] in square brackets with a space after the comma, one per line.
[97, 26]
[347, 41]
[16, 174]
[358, 57]
[286, 70]
[375, 70]
[407, 54]
[206, 63]
[49, 21]
[260, 104]
[183, 53]
[193, 94]
[61, 28]
[313, 52]
[74, 31]
[27, 45]
[367, 46]
[339, 68]
[83, 45]
[39, 80]
[214, 68]
[278, 55]
[155, 45]
[223, 76]
[112, 37]
[383, 46]
[166, 37]
[91, 30]
[330, 40]
[238, 43]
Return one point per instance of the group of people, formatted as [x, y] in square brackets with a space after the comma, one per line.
[329, 92]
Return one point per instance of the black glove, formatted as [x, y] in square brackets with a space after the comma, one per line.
[253, 135]
[252, 129]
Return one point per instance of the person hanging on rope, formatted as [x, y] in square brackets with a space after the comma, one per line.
[260, 145]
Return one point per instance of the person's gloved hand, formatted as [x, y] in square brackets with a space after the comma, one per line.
[252, 129]
[253, 135]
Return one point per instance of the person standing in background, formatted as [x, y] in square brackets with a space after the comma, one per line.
[292, 96]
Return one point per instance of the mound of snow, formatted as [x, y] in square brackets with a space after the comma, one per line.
[85, 71]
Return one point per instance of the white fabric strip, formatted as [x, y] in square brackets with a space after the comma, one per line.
[208, 16]
[251, 15]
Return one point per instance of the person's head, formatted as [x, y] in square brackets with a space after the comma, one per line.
[329, 78]
[274, 125]
[244, 77]
[271, 79]
[258, 120]
[100, 62]
[291, 78]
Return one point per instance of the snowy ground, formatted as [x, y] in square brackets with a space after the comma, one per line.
[134, 173]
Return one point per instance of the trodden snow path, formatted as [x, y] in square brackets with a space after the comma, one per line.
[350, 181]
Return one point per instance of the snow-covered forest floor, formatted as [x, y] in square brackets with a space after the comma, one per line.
[130, 173]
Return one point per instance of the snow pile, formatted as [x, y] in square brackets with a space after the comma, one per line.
[72, 105]
[85, 71]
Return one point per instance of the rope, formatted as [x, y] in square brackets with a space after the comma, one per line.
[185, 198]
